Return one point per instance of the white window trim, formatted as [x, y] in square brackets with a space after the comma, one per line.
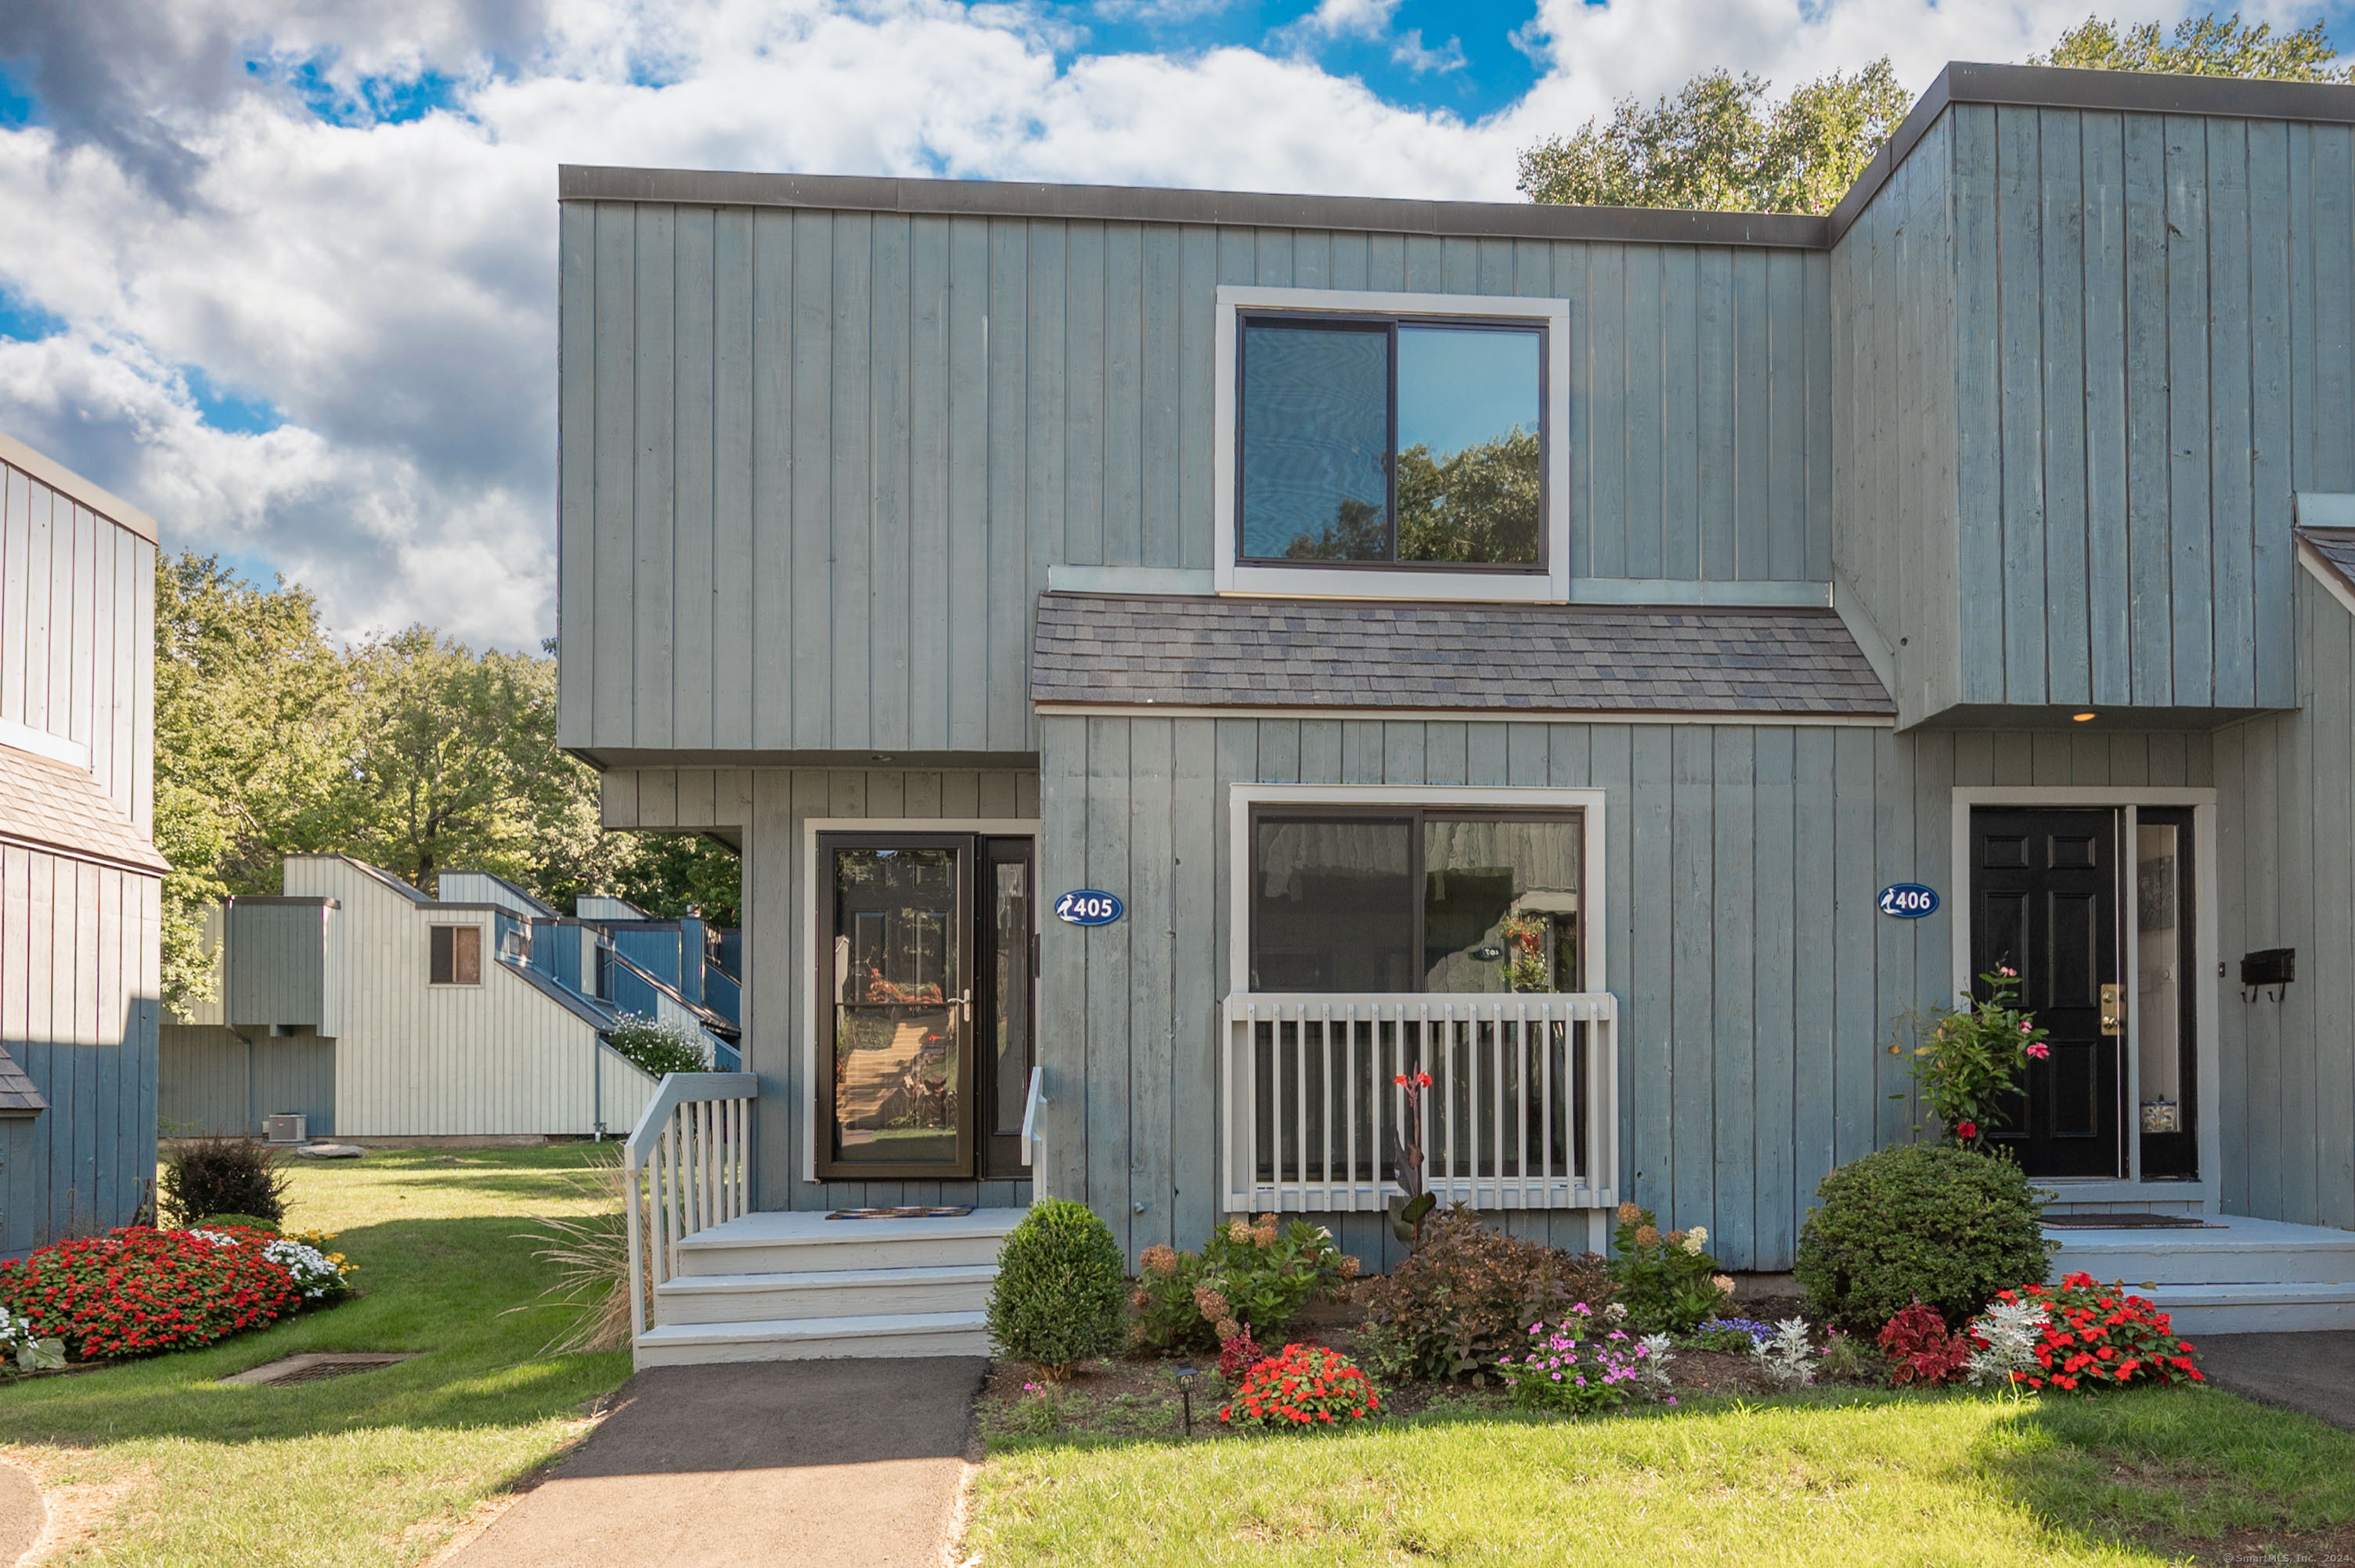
[993, 826]
[1231, 576]
[2206, 941]
[1592, 919]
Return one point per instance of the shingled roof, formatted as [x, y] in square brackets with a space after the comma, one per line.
[1195, 652]
[18, 1097]
[2333, 549]
[57, 807]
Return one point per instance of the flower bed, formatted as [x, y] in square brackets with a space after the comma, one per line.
[1570, 1365]
[141, 1292]
[2099, 1336]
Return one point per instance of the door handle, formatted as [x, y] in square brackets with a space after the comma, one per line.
[2112, 1009]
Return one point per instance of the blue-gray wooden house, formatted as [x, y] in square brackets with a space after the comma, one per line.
[1565, 650]
[81, 882]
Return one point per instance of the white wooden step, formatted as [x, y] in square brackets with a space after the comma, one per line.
[2237, 1250]
[806, 1242]
[831, 1293]
[808, 1338]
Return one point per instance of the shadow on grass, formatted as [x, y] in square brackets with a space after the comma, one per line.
[440, 1286]
[2172, 1469]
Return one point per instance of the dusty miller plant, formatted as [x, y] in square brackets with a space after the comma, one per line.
[1787, 1359]
[1659, 1351]
[1969, 1059]
[2007, 1333]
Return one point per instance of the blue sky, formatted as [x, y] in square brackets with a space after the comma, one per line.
[282, 271]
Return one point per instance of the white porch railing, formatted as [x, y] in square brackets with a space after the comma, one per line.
[1034, 1133]
[686, 1166]
[1522, 1112]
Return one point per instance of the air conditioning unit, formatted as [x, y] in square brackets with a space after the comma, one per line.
[286, 1127]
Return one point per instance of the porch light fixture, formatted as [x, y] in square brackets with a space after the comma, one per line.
[2084, 718]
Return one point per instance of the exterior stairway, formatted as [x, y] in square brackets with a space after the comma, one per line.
[2237, 1276]
[778, 1286]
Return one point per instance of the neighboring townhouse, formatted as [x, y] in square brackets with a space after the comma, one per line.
[372, 1010]
[81, 882]
[1175, 659]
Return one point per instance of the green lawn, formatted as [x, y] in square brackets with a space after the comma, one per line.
[1825, 1478]
[377, 1467]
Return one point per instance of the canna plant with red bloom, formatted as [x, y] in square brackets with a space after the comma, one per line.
[1412, 1205]
[1307, 1388]
[2099, 1336]
[139, 1292]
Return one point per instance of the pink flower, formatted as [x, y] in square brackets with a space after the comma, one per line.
[2039, 1050]
[2025, 1029]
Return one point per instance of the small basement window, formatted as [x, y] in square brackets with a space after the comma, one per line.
[1392, 445]
[457, 955]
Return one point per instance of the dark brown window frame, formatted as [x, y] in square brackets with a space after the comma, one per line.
[1418, 815]
[443, 965]
[1389, 321]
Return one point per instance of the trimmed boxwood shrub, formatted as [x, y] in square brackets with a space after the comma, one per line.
[1057, 1299]
[1948, 1226]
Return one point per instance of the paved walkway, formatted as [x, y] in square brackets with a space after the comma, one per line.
[850, 1464]
[23, 1515]
[2314, 1372]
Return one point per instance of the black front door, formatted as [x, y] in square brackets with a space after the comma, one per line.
[924, 963]
[2044, 900]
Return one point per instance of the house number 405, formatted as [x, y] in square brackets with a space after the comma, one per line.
[1088, 906]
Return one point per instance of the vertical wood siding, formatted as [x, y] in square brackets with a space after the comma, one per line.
[816, 464]
[1905, 492]
[76, 645]
[78, 1011]
[2286, 870]
[768, 809]
[212, 1082]
[2089, 358]
[419, 1059]
[1759, 985]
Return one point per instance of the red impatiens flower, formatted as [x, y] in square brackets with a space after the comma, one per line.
[1967, 1129]
[138, 1291]
[2101, 1337]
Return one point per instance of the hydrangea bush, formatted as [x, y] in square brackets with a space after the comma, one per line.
[1254, 1275]
[1667, 1281]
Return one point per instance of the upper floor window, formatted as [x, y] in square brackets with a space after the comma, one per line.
[1392, 445]
[1380, 442]
[457, 955]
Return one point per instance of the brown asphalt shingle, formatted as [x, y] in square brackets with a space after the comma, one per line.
[2336, 549]
[56, 806]
[1174, 651]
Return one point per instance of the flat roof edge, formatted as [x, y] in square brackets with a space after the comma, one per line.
[1962, 81]
[1156, 204]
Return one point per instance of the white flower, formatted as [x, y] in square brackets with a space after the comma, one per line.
[1695, 1238]
[216, 1237]
[314, 1273]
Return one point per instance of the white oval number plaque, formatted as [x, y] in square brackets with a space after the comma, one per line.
[1909, 900]
[1088, 906]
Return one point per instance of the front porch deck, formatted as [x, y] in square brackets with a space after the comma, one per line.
[2235, 1276]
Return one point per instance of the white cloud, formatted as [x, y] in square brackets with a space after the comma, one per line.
[1410, 52]
[390, 288]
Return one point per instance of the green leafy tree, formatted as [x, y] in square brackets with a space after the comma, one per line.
[666, 874]
[1477, 505]
[1721, 145]
[2201, 46]
[251, 713]
[456, 766]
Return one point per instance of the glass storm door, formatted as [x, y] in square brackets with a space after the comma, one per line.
[918, 945]
[2044, 900]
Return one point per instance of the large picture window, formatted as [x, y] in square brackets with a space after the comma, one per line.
[1389, 441]
[1401, 900]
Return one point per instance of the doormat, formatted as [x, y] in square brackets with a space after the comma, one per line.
[310, 1367]
[909, 1212]
[2128, 1222]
